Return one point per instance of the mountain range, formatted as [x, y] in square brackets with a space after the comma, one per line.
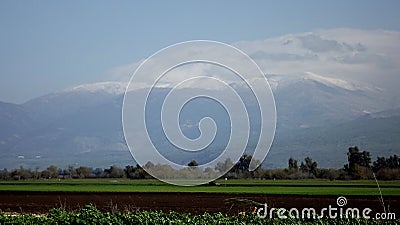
[317, 116]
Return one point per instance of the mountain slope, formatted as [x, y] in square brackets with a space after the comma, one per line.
[92, 136]
[69, 101]
[312, 101]
[317, 116]
[328, 145]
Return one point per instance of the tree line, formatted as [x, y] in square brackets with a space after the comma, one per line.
[53, 172]
[359, 166]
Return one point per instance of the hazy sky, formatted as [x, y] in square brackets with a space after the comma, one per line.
[50, 45]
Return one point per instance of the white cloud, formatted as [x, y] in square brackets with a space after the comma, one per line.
[121, 73]
[370, 56]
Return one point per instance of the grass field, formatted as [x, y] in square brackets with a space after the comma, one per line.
[306, 187]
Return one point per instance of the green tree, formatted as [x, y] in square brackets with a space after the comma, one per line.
[72, 171]
[309, 167]
[223, 166]
[114, 172]
[5, 175]
[293, 164]
[358, 163]
[84, 172]
[135, 172]
[393, 162]
[140, 173]
[241, 168]
[379, 164]
[21, 173]
[45, 174]
[53, 171]
[129, 171]
[243, 164]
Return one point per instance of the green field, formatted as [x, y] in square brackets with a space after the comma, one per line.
[90, 215]
[307, 187]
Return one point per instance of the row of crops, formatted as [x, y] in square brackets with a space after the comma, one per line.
[90, 215]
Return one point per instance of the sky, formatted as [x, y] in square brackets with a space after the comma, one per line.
[47, 46]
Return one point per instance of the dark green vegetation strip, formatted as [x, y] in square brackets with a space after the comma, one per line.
[91, 215]
[307, 187]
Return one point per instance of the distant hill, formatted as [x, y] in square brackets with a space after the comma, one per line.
[328, 145]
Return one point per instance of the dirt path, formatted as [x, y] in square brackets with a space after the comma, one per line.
[40, 202]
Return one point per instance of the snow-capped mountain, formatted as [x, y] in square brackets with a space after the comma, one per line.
[312, 100]
[111, 87]
[82, 125]
[72, 100]
[339, 83]
[283, 81]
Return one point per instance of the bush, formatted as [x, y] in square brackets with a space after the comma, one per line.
[388, 174]
[91, 215]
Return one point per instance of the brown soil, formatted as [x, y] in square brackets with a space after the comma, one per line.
[41, 202]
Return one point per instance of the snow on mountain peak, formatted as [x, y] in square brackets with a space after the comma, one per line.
[332, 81]
[335, 82]
[281, 81]
[114, 88]
[275, 81]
